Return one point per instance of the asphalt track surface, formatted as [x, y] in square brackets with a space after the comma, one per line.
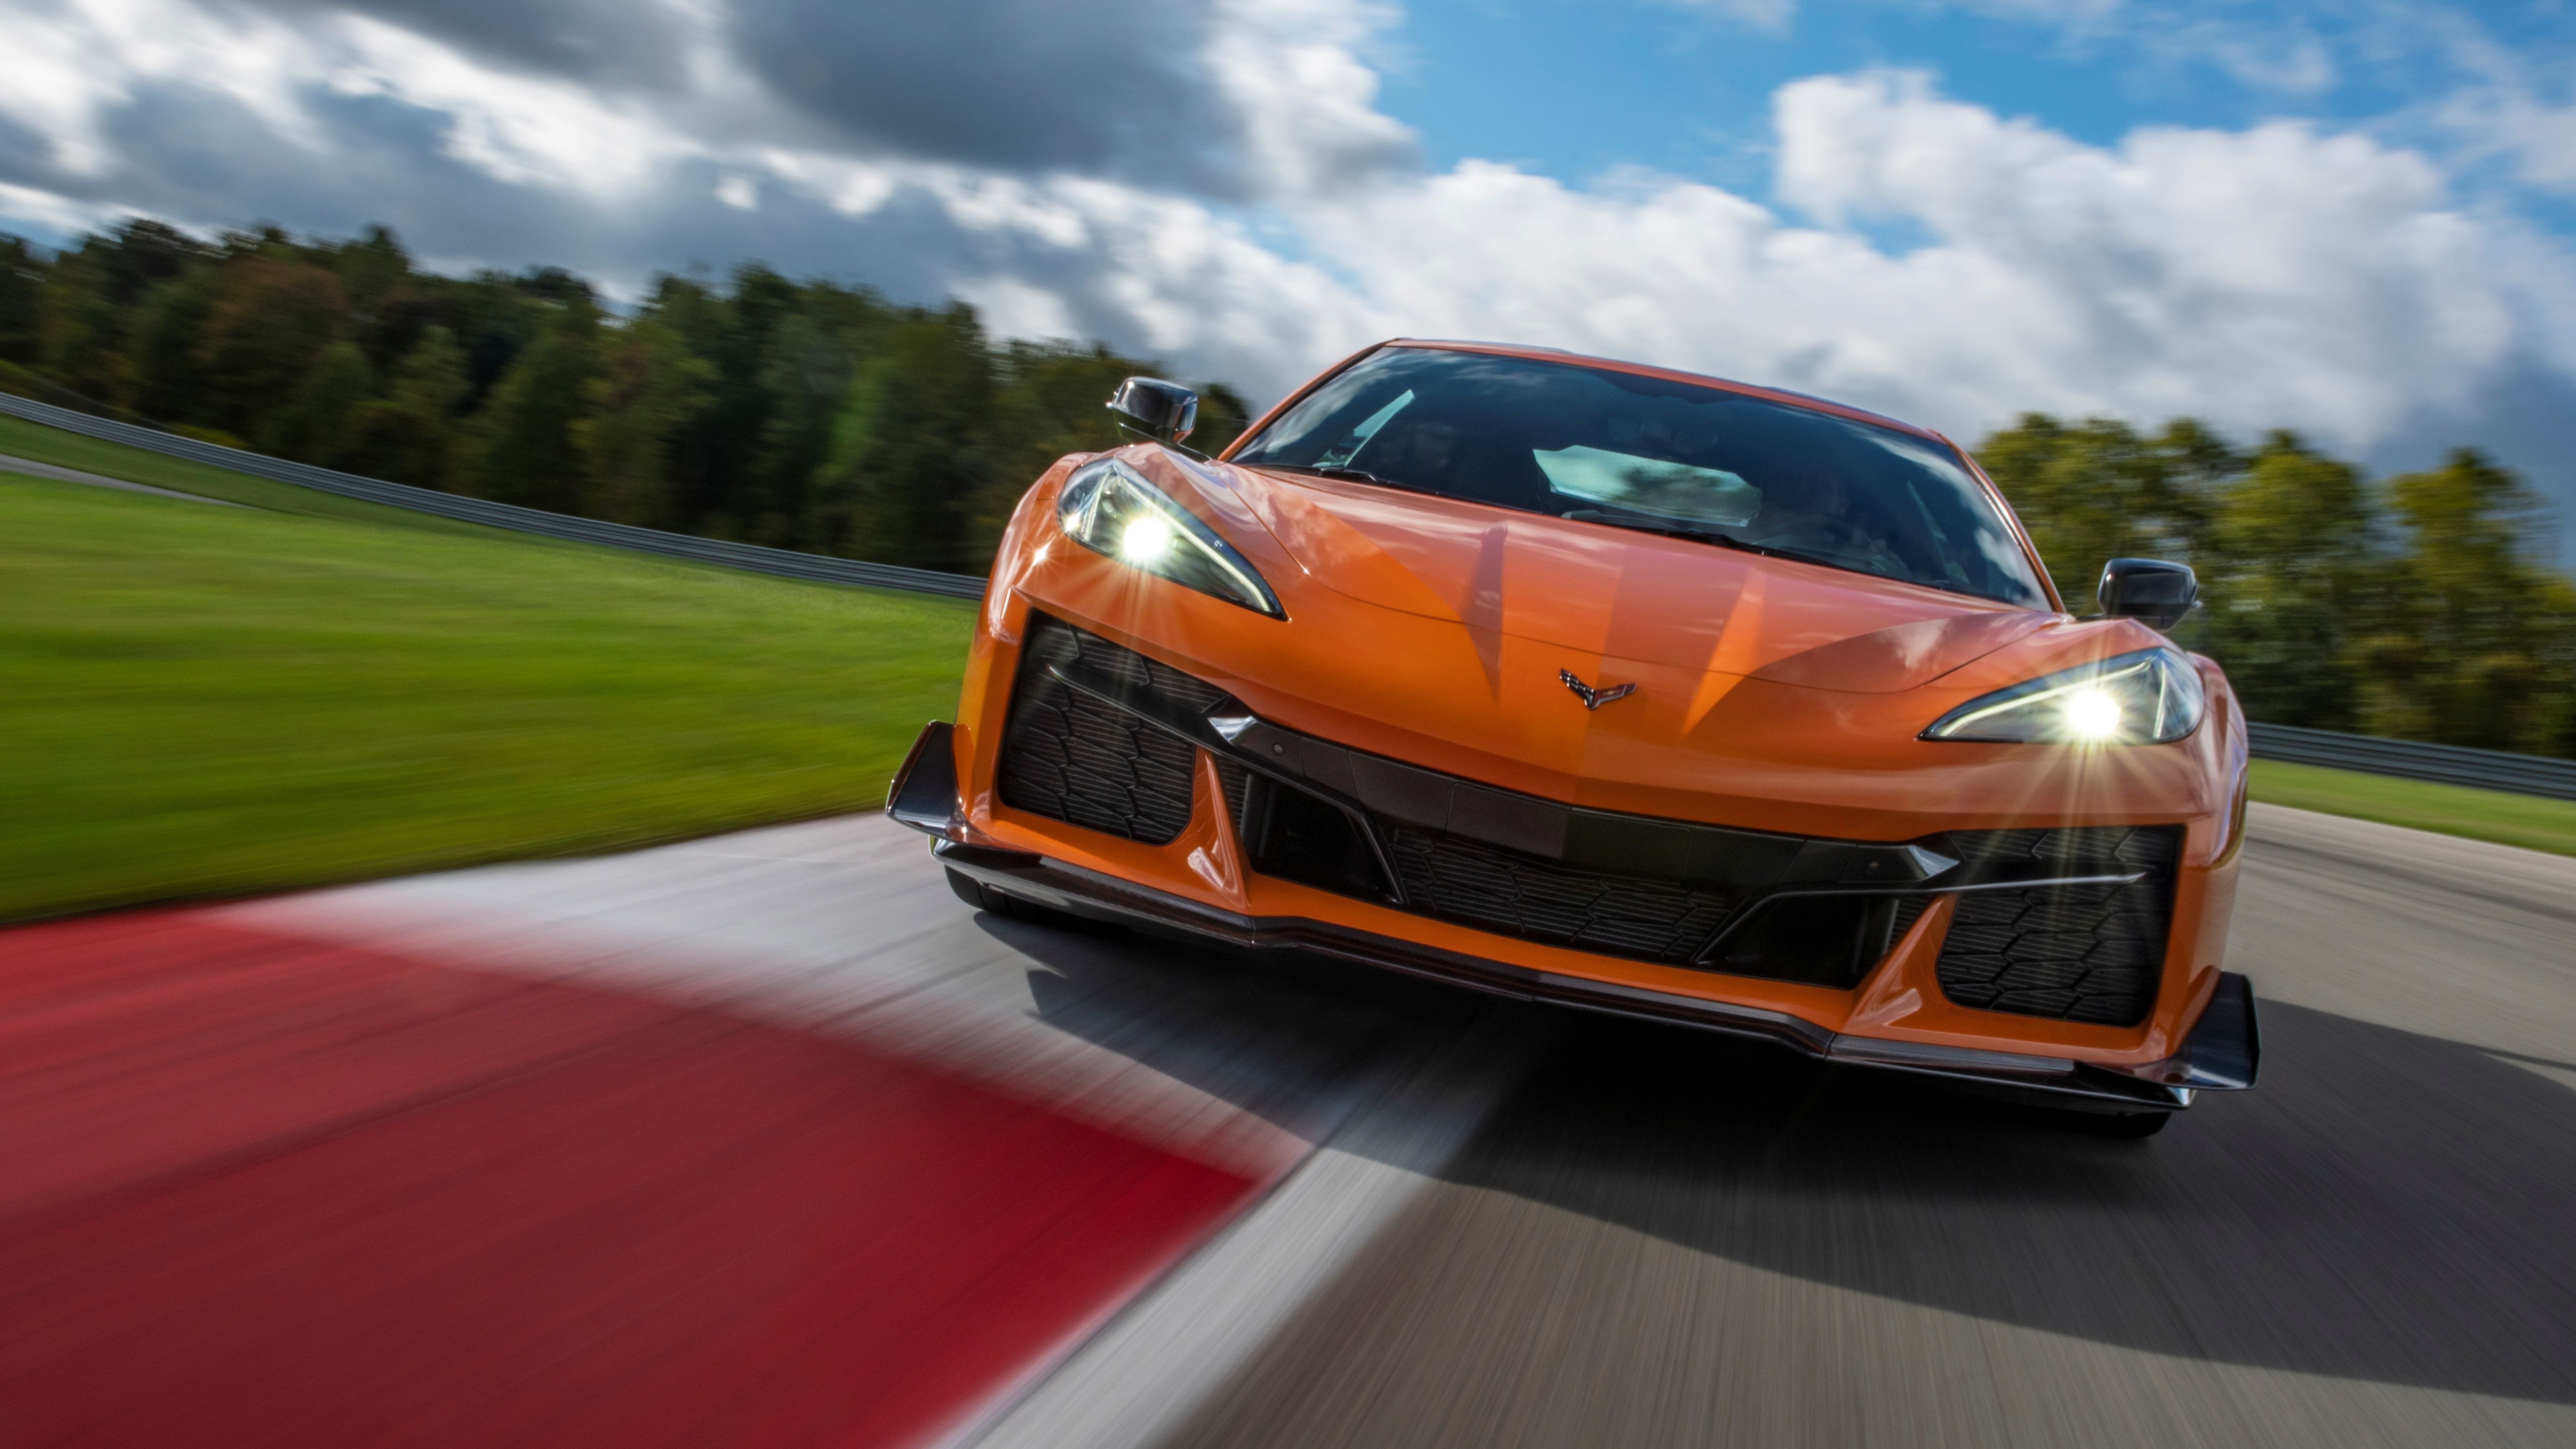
[1654, 1240]
[1394, 1214]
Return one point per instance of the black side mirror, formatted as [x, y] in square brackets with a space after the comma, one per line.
[1163, 411]
[2149, 590]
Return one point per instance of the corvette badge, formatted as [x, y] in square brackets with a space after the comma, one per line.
[1594, 698]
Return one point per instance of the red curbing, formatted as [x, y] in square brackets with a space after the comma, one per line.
[264, 1190]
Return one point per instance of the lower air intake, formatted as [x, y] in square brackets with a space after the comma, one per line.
[2070, 953]
[1068, 756]
[1504, 891]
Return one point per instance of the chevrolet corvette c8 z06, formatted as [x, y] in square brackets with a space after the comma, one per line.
[1604, 684]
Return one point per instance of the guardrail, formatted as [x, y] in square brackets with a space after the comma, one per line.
[2444, 764]
[2409, 759]
[786, 563]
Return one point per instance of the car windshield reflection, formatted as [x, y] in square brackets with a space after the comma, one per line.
[1661, 455]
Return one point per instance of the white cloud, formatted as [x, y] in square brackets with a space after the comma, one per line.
[2266, 276]
[2540, 137]
[56, 213]
[1771, 15]
[65, 67]
[1308, 103]
[2293, 64]
[2258, 277]
[528, 131]
[2511, 108]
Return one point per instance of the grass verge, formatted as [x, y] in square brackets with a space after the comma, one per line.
[2531, 821]
[207, 701]
[22, 439]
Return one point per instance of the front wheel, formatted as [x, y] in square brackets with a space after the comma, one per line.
[1001, 903]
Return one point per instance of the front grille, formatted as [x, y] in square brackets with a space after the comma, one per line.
[1504, 891]
[1661, 891]
[2071, 953]
[1068, 756]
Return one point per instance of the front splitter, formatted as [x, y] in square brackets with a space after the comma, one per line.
[2220, 1055]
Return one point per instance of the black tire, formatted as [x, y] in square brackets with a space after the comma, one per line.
[2119, 1124]
[975, 893]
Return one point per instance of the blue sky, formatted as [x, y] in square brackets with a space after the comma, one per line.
[1576, 88]
[2355, 218]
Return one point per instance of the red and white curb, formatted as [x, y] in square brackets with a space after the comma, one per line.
[761, 1140]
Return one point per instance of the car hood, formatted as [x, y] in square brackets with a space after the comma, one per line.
[1625, 594]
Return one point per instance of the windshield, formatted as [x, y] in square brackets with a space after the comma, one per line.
[1670, 457]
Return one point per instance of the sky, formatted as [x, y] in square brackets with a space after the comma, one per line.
[2355, 218]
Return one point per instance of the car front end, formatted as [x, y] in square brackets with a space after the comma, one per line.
[1565, 758]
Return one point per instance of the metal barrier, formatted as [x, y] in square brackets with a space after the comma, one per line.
[786, 563]
[2445, 764]
[2408, 759]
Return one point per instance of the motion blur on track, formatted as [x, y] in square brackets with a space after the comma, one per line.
[761, 1141]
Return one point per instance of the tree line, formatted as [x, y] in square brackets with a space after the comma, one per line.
[816, 416]
[798, 414]
[2422, 606]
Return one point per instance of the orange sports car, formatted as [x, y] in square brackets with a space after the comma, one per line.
[1625, 688]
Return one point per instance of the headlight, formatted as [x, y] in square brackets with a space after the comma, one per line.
[1108, 507]
[2151, 697]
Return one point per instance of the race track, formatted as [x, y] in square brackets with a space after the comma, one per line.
[1656, 1242]
[1416, 1217]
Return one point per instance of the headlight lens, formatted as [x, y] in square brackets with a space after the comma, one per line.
[2151, 697]
[1108, 507]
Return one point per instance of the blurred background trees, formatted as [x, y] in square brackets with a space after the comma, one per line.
[2424, 606]
[815, 416]
[803, 415]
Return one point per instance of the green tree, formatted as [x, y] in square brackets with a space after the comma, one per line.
[649, 390]
[139, 254]
[1223, 415]
[79, 342]
[271, 319]
[522, 446]
[169, 332]
[1050, 402]
[372, 267]
[323, 421]
[2097, 490]
[804, 375]
[2472, 625]
[2290, 573]
[22, 300]
[905, 463]
[404, 435]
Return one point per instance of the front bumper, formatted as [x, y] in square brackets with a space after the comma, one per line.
[2221, 1053]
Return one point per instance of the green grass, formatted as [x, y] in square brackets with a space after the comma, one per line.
[203, 701]
[2531, 821]
[22, 439]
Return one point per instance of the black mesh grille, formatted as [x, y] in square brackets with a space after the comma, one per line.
[1909, 909]
[1238, 794]
[1070, 757]
[2073, 953]
[1501, 890]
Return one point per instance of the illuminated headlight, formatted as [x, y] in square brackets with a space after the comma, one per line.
[2151, 697]
[1108, 507]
